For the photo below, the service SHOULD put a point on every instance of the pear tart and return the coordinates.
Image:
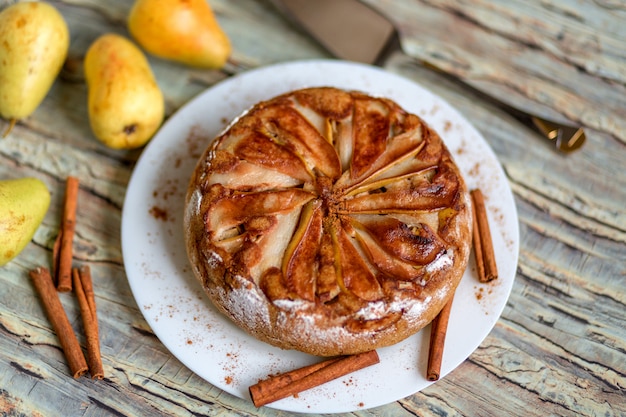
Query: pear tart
(328, 221)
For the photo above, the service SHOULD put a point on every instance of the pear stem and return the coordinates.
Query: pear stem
(12, 123)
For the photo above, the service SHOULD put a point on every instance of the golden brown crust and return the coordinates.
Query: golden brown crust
(328, 221)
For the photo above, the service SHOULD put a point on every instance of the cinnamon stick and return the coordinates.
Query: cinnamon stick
(270, 385)
(60, 323)
(55, 259)
(63, 260)
(87, 285)
(298, 380)
(86, 301)
(438, 330)
(483, 245)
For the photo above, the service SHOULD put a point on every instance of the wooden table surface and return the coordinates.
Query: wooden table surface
(559, 348)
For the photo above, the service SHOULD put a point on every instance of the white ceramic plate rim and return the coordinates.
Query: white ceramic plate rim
(174, 305)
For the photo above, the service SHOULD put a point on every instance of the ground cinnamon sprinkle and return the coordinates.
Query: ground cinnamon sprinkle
(479, 294)
(158, 213)
(194, 141)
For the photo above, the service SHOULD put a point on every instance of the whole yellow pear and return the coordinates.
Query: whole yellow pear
(23, 205)
(125, 103)
(180, 30)
(34, 40)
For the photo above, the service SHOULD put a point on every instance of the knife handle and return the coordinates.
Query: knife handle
(566, 138)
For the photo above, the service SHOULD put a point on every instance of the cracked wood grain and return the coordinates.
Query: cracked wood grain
(559, 346)
(539, 53)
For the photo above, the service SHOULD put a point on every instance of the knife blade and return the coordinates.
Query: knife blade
(334, 24)
(353, 31)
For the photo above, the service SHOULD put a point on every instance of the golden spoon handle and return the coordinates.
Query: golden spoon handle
(566, 138)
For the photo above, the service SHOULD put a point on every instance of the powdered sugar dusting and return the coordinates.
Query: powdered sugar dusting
(213, 260)
(246, 303)
(374, 310)
(416, 310)
(291, 305)
(443, 260)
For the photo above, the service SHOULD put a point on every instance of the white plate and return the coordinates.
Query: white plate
(210, 345)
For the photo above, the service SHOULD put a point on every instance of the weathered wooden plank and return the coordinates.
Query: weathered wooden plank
(559, 346)
(540, 55)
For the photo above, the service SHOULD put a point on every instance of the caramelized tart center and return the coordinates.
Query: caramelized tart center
(331, 199)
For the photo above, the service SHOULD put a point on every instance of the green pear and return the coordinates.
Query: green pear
(124, 102)
(23, 205)
(34, 40)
